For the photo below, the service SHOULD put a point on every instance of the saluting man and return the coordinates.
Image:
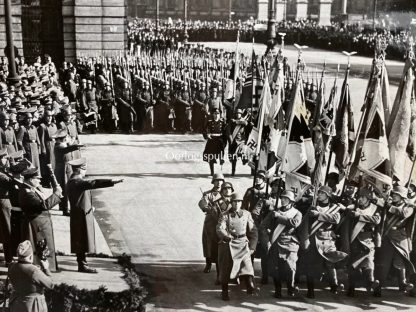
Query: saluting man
(82, 214)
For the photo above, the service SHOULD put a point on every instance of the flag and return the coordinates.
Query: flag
(401, 139)
(252, 88)
(299, 154)
(372, 156)
(342, 144)
(324, 131)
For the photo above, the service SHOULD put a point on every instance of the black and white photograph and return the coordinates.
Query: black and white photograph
(207, 155)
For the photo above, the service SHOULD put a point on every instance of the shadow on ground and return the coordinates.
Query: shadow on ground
(181, 285)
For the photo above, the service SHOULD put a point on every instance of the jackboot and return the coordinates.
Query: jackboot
(290, 281)
(264, 274)
(211, 168)
(250, 285)
(403, 284)
(311, 287)
(224, 292)
(208, 265)
(277, 288)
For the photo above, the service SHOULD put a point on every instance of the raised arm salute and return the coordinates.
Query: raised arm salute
(82, 216)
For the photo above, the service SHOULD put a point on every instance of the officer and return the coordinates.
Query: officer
(46, 133)
(238, 237)
(278, 235)
(28, 281)
(321, 253)
(361, 236)
(82, 214)
(396, 242)
(36, 206)
(7, 134)
(209, 206)
(28, 140)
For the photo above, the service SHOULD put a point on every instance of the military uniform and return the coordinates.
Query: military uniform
(198, 111)
(214, 133)
(145, 111)
(82, 214)
(108, 111)
(36, 208)
(238, 239)
(278, 235)
(6, 183)
(28, 141)
(360, 239)
(396, 242)
(46, 133)
(321, 254)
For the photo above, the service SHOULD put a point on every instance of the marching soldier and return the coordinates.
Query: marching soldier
(82, 214)
(321, 254)
(278, 235)
(396, 242)
(361, 237)
(209, 206)
(214, 134)
(238, 239)
(236, 137)
(254, 202)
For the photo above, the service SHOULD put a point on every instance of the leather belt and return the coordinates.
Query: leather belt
(9, 143)
(51, 140)
(31, 141)
(239, 236)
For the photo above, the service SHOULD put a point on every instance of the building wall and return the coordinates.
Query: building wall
(197, 9)
(17, 26)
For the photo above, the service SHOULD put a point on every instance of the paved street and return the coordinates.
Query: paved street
(154, 217)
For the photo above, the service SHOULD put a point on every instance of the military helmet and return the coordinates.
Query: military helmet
(217, 176)
(236, 197)
(288, 194)
(227, 185)
(326, 189)
(365, 192)
(400, 190)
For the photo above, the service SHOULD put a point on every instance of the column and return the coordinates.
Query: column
(16, 11)
(301, 9)
(280, 10)
(94, 27)
(325, 12)
(262, 10)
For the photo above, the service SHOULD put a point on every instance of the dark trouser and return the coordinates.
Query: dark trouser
(16, 218)
(81, 259)
(354, 275)
(285, 272)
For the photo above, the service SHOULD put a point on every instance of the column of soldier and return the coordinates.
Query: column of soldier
(39, 149)
(361, 230)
